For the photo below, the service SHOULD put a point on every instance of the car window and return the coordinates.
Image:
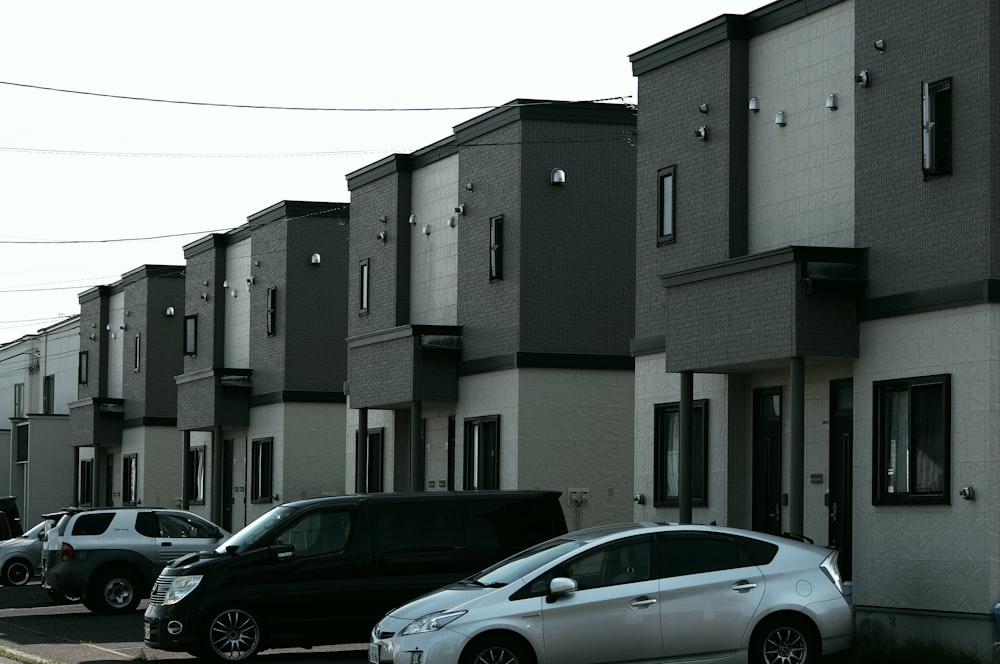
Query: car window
(416, 527)
(758, 551)
(506, 524)
(92, 524)
(696, 553)
(181, 526)
(611, 565)
(318, 533)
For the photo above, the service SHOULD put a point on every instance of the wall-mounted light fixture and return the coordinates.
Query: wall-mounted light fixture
(234, 293)
(93, 337)
(169, 312)
(468, 186)
(557, 176)
(123, 326)
(426, 230)
(880, 45)
(413, 219)
(703, 109)
(381, 236)
(863, 78)
(754, 105)
(315, 259)
(204, 296)
(831, 101)
(384, 219)
(225, 283)
(451, 221)
(701, 133)
(250, 282)
(779, 118)
(460, 209)
(108, 327)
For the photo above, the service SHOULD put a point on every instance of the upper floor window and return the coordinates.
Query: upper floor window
(363, 287)
(191, 335)
(496, 253)
(137, 364)
(272, 305)
(84, 368)
(49, 394)
(18, 400)
(666, 451)
(912, 421)
(665, 215)
(937, 122)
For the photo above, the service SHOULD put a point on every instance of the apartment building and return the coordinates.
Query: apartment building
(260, 392)
(816, 298)
(38, 377)
(490, 304)
(123, 419)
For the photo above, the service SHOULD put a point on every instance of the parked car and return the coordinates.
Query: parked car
(635, 592)
(20, 557)
(49, 537)
(110, 556)
(10, 518)
(322, 571)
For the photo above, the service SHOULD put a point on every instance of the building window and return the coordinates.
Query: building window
(19, 400)
(137, 364)
(190, 335)
(84, 368)
(496, 248)
(363, 287)
(665, 216)
(272, 305)
(130, 479)
(482, 453)
(86, 482)
(912, 420)
(666, 448)
(49, 394)
(937, 127)
(260, 470)
(196, 479)
(376, 462)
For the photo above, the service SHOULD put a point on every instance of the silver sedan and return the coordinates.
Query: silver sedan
(636, 593)
(20, 557)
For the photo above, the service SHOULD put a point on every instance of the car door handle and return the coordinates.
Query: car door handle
(642, 602)
(166, 543)
(743, 586)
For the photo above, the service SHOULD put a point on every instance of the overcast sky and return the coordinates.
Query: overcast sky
(88, 179)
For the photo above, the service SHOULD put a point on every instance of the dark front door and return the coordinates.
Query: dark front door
(767, 460)
(841, 456)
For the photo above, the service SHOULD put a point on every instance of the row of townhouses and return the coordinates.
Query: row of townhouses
(766, 297)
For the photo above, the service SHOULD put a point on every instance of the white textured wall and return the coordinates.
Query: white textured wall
(238, 270)
(434, 257)
(801, 176)
(160, 453)
(933, 557)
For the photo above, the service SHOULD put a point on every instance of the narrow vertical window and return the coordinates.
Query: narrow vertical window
(376, 452)
(191, 335)
(665, 231)
(937, 127)
(19, 400)
(363, 287)
(138, 354)
(84, 368)
(272, 304)
(666, 449)
(496, 248)
(196, 481)
(130, 479)
(86, 496)
(261, 477)
(49, 395)
(482, 453)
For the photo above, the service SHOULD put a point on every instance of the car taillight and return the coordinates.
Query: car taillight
(67, 552)
(832, 571)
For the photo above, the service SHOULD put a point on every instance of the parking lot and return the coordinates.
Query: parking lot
(32, 628)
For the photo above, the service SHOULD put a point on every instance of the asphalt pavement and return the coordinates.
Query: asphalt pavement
(34, 630)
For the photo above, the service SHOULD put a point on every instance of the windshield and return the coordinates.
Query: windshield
(256, 533)
(527, 562)
(33, 533)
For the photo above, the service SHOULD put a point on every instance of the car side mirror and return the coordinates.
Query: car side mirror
(559, 587)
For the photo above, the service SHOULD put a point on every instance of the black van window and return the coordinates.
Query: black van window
(506, 524)
(416, 527)
(318, 533)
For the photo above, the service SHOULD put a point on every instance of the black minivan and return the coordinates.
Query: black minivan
(325, 570)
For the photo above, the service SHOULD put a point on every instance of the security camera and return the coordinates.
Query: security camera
(863, 78)
(701, 133)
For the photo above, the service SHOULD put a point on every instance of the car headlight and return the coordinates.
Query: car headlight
(431, 622)
(180, 587)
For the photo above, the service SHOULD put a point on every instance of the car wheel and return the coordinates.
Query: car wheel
(16, 572)
(784, 640)
(234, 635)
(497, 650)
(113, 592)
(60, 598)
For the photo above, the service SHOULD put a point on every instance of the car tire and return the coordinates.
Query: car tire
(233, 636)
(497, 649)
(785, 639)
(16, 572)
(113, 592)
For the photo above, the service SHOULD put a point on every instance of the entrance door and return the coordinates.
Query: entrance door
(227, 485)
(766, 479)
(841, 479)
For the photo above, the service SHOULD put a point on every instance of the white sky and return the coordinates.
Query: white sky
(84, 168)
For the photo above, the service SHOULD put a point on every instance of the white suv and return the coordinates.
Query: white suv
(111, 556)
